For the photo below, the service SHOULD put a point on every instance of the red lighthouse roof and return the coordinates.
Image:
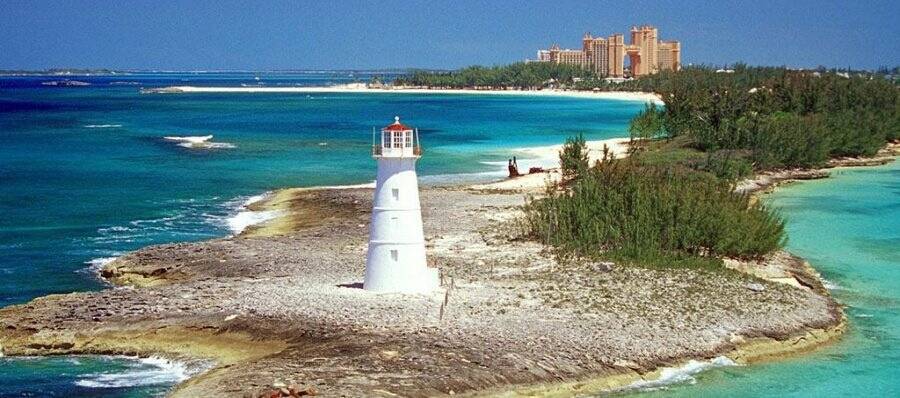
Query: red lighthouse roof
(396, 126)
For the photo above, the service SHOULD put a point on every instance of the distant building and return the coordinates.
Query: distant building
(566, 56)
(543, 55)
(669, 57)
(606, 55)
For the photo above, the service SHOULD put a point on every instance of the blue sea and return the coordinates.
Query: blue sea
(87, 174)
(848, 227)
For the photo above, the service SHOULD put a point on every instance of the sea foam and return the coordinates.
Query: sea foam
(102, 126)
(97, 264)
(831, 285)
(683, 374)
(144, 372)
(245, 218)
(198, 142)
(241, 221)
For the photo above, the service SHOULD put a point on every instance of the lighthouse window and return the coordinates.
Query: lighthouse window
(408, 140)
(386, 140)
(394, 255)
(396, 193)
(398, 140)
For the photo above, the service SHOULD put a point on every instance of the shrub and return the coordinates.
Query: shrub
(856, 133)
(573, 159)
(639, 212)
(727, 165)
(648, 123)
(789, 140)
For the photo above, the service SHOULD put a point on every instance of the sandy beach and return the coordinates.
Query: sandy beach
(362, 88)
(547, 157)
(279, 306)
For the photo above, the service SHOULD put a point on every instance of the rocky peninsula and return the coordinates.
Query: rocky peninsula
(279, 309)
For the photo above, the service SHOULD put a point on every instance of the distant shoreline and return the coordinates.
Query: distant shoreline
(361, 88)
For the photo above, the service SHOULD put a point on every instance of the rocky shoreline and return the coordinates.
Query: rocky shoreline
(279, 307)
(766, 182)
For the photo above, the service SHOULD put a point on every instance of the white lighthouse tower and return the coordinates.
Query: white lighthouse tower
(396, 258)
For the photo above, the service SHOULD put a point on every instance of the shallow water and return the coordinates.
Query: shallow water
(848, 227)
(88, 174)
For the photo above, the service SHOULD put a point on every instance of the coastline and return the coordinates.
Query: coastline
(742, 349)
(746, 351)
(609, 95)
(763, 183)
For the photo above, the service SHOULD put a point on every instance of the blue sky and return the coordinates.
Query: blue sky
(200, 34)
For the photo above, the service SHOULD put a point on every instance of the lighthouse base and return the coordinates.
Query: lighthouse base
(392, 268)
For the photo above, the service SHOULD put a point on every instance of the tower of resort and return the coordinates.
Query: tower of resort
(396, 258)
(646, 54)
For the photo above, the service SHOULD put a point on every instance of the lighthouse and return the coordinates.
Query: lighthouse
(396, 261)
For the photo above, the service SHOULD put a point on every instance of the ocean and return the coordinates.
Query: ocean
(87, 173)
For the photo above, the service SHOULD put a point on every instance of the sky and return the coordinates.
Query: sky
(270, 35)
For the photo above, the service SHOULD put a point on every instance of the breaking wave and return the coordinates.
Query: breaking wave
(94, 266)
(246, 218)
(150, 371)
(198, 142)
(102, 126)
(683, 374)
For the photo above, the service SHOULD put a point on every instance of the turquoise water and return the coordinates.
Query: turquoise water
(70, 194)
(848, 227)
(86, 173)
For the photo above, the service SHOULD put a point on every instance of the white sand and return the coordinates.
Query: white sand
(548, 157)
(361, 88)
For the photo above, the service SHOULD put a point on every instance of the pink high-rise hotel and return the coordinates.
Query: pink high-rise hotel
(606, 56)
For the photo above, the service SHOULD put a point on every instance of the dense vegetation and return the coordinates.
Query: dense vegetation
(762, 116)
(774, 116)
(522, 75)
(671, 203)
(652, 215)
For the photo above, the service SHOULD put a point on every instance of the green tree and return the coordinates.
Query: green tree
(649, 123)
(573, 159)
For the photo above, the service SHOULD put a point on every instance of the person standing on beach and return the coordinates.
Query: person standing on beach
(513, 167)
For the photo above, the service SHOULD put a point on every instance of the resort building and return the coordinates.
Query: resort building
(606, 55)
(669, 57)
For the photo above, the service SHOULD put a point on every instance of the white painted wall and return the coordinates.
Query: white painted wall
(396, 258)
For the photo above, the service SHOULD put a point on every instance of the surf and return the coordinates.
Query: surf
(151, 371)
(199, 142)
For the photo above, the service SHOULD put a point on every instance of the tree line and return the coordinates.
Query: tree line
(779, 117)
(521, 75)
(671, 203)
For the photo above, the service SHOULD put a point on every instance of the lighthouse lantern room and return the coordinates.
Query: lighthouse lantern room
(395, 261)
